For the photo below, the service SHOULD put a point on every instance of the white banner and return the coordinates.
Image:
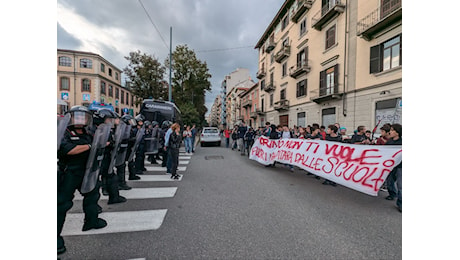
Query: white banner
(360, 167)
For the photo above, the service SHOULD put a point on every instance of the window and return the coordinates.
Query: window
(283, 94)
(388, 111)
(110, 91)
(262, 105)
(272, 58)
(301, 89)
(302, 57)
(330, 37)
(328, 116)
(303, 27)
(285, 22)
(328, 81)
(86, 63)
(286, 42)
(284, 70)
(65, 61)
(110, 72)
(86, 85)
(127, 98)
(301, 119)
(103, 67)
(271, 100)
(117, 93)
(116, 75)
(65, 83)
(386, 56)
(271, 79)
(122, 97)
(103, 88)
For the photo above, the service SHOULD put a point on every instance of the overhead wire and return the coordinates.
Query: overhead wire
(151, 21)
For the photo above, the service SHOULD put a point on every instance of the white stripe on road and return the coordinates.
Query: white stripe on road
(124, 221)
(163, 169)
(141, 193)
(159, 162)
(146, 177)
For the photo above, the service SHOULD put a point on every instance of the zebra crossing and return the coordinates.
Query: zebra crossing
(131, 221)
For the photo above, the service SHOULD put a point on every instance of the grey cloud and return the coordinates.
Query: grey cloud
(66, 40)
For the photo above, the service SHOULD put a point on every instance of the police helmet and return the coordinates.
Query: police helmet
(129, 120)
(147, 123)
(80, 115)
(155, 123)
(104, 115)
(166, 124)
(140, 118)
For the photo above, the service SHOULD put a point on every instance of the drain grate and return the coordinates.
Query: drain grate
(214, 157)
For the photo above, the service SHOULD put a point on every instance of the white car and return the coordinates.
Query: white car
(210, 135)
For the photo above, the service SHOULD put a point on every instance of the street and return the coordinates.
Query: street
(229, 207)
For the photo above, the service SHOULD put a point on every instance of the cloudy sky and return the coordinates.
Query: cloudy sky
(113, 28)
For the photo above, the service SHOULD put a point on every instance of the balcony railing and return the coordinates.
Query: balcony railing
(301, 68)
(329, 10)
(302, 6)
(270, 86)
(325, 94)
(261, 73)
(246, 103)
(253, 114)
(270, 46)
(260, 111)
(283, 104)
(283, 53)
(379, 19)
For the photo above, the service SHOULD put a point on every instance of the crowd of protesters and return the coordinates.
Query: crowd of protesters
(242, 137)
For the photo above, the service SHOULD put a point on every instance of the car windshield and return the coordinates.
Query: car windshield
(210, 131)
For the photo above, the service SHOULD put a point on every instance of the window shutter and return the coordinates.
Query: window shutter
(322, 83)
(305, 87)
(336, 78)
(375, 62)
(306, 56)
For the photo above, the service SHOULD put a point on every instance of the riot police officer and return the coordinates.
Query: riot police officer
(133, 150)
(73, 154)
(140, 156)
(109, 181)
(126, 146)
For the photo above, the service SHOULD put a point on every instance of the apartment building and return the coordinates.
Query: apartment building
(250, 106)
(216, 110)
(85, 77)
(328, 61)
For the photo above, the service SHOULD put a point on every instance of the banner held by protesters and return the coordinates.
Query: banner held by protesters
(360, 167)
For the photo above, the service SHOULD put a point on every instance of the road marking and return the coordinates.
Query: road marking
(163, 169)
(123, 221)
(146, 177)
(140, 193)
(159, 162)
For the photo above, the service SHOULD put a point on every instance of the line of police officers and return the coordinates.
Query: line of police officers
(90, 147)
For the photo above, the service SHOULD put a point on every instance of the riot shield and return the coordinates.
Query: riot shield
(119, 134)
(62, 123)
(139, 135)
(121, 155)
(152, 143)
(96, 155)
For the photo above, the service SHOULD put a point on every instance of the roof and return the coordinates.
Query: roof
(281, 12)
(91, 54)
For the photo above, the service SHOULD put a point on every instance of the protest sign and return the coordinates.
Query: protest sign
(360, 167)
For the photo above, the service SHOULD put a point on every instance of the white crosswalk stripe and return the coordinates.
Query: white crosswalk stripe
(131, 221)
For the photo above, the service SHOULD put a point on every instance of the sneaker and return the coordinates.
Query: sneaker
(168, 173)
(100, 223)
(389, 197)
(133, 178)
(124, 186)
(120, 199)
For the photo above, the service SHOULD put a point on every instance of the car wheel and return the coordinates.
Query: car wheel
(218, 144)
(202, 144)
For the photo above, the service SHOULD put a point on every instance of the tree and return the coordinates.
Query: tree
(189, 82)
(190, 115)
(146, 76)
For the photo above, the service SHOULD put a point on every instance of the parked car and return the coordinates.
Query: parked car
(210, 135)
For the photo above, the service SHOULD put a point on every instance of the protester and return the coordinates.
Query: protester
(359, 137)
(333, 137)
(249, 138)
(284, 135)
(187, 136)
(234, 137)
(227, 133)
(384, 134)
(395, 176)
(267, 130)
(322, 131)
(343, 134)
(174, 145)
(193, 130)
(241, 131)
(315, 135)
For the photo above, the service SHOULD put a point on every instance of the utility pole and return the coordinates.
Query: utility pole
(170, 62)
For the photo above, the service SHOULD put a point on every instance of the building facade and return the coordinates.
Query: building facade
(332, 61)
(250, 106)
(84, 78)
(216, 110)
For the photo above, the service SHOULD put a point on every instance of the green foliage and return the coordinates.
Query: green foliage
(190, 115)
(146, 76)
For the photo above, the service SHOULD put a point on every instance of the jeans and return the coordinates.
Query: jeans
(394, 182)
(188, 145)
(193, 144)
(227, 142)
(174, 158)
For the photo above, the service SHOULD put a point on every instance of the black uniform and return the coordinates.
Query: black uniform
(131, 164)
(70, 178)
(140, 156)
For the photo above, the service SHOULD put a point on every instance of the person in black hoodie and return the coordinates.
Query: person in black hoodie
(174, 145)
(395, 176)
(273, 135)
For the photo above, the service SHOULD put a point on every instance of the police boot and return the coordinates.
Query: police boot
(60, 245)
(121, 173)
(95, 224)
(104, 186)
(114, 194)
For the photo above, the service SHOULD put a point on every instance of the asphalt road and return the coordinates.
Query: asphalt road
(229, 207)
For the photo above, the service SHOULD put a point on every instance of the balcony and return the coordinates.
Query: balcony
(302, 7)
(281, 105)
(246, 103)
(383, 17)
(283, 53)
(253, 115)
(260, 112)
(270, 86)
(261, 73)
(325, 94)
(270, 46)
(299, 70)
(331, 9)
